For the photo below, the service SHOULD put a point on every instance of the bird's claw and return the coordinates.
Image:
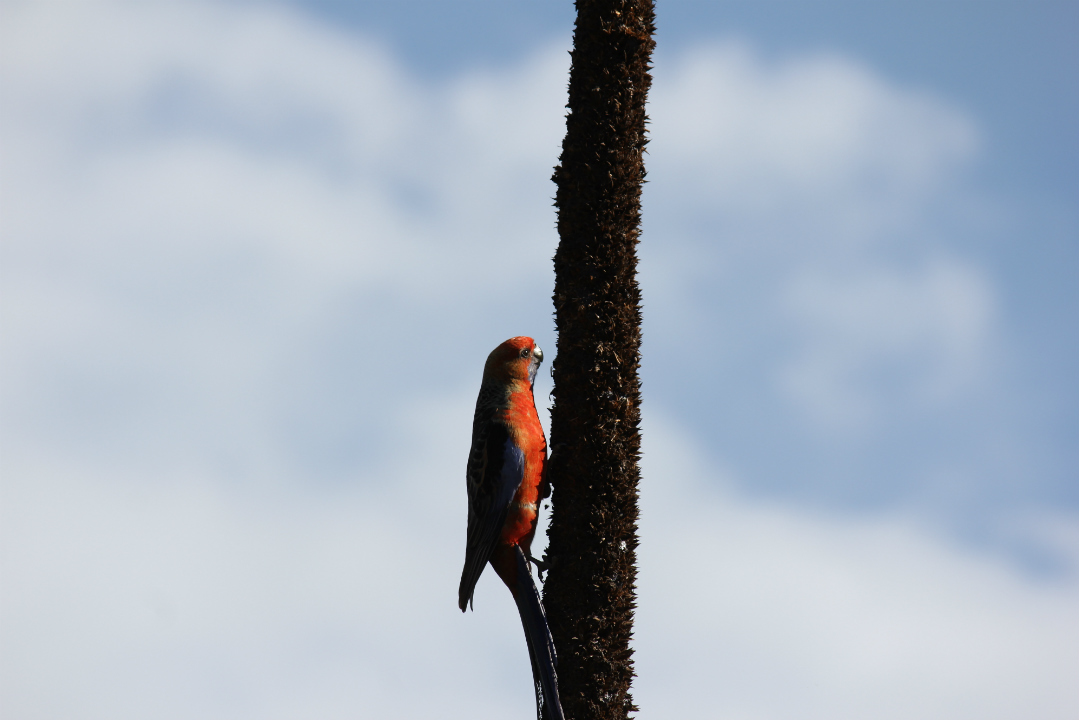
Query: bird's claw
(542, 566)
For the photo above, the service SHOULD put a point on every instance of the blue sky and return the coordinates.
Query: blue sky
(254, 256)
(1008, 67)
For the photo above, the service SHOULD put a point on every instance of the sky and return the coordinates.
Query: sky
(255, 253)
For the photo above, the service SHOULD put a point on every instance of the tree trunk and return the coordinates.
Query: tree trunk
(589, 593)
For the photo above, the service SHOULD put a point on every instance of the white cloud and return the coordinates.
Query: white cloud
(754, 610)
(189, 595)
(195, 595)
(799, 204)
(202, 187)
(230, 230)
(754, 136)
(926, 331)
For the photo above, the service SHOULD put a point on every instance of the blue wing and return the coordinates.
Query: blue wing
(494, 475)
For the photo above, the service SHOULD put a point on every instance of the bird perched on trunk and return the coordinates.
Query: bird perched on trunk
(506, 481)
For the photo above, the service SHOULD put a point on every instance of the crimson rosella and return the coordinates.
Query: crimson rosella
(506, 480)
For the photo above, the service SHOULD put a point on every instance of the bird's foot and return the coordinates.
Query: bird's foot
(542, 566)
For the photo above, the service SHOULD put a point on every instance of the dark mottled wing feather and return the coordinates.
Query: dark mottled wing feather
(496, 467)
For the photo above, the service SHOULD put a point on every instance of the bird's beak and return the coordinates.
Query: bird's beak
(538, 354)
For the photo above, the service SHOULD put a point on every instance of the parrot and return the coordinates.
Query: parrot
(505, 481)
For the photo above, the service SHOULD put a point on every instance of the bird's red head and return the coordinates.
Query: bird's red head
(516, 359)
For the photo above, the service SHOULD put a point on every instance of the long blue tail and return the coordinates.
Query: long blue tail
(541, 646)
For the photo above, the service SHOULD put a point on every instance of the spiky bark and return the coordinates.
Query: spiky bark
(589, 593)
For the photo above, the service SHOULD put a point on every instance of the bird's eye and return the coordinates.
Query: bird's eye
(525, 352)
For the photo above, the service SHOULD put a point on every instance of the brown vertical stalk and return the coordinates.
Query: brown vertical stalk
(589, 593)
